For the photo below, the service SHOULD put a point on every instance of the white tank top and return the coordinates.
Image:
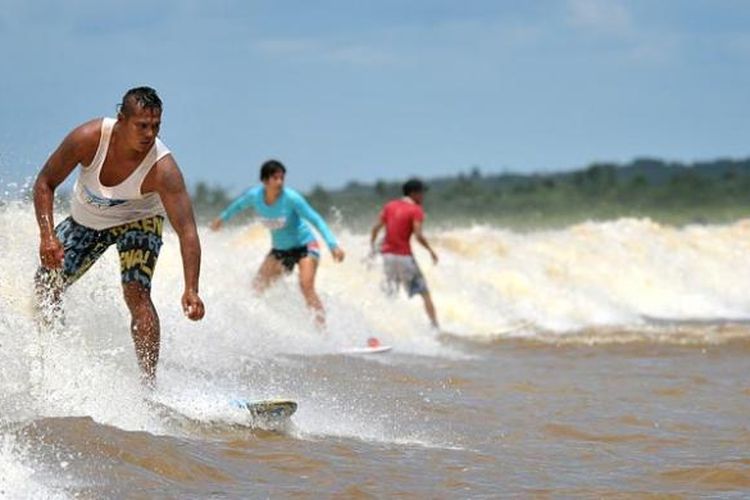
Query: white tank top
(101, 207)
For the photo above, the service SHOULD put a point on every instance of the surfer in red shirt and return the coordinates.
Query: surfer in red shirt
(402, 218)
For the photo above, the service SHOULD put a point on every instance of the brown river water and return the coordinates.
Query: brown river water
(628, 374)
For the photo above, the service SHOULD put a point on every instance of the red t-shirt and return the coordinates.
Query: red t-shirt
(398, 217)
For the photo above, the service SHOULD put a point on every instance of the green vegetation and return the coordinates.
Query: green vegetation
(673, 193)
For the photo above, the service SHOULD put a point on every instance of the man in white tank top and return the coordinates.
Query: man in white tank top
(127, 182)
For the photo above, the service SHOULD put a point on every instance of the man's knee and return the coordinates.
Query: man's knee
(136, 295)
(307, 287)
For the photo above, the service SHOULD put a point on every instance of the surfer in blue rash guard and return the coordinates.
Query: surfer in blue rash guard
(284, 212)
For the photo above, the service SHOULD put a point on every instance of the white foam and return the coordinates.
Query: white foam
(593, 275)
(18, 477)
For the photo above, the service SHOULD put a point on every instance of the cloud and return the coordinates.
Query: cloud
(600, 17)
(412, 45)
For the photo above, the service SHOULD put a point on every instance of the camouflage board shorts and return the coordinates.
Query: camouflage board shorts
(138, 244)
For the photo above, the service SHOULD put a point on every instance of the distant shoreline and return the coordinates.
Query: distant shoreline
(706, 192)
(667, 192)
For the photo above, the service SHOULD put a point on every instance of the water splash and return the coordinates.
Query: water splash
(600, 280)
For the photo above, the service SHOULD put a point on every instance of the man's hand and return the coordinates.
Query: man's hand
(417, 227)
(216, 224)
(192, 305)
(434, 257)
(338, 254)
(51, 252)
(168, 182)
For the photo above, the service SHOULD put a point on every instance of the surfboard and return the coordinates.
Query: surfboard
(261, 413)
(367, 350)
(273, 409)
(374, 346)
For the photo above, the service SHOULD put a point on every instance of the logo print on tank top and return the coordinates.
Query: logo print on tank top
(98, 201)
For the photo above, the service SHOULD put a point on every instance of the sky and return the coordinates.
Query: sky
(343, 90)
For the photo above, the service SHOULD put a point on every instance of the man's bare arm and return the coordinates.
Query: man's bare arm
(74, 149)
(417, 226)
(170, 185)
(374, 234)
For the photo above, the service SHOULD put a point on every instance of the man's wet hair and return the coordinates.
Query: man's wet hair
(270, 168)
(143, 97)
(413, 185)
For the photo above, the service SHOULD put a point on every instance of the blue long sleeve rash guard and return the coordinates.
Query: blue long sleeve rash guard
(284, 218)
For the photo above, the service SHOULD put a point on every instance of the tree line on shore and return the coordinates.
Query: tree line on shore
(671, 192)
